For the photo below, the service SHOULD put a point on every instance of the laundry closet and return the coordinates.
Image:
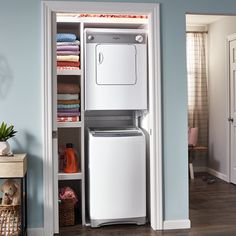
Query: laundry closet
(101, 116)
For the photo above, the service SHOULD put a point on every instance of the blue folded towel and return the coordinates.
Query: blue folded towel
(62, 37)
(68, 106)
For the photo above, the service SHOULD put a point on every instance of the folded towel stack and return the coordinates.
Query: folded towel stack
(68, 51)
(68, 103)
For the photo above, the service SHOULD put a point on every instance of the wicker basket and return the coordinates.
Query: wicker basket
(66, 212)
(10, 220)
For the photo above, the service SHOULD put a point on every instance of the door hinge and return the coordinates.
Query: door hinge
(150, 131)
(230, 119)
(54, 134)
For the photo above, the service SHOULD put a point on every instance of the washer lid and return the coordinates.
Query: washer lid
(116, 132)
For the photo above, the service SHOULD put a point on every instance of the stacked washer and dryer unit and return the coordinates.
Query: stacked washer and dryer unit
(116, 80)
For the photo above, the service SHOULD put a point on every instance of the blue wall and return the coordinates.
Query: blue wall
(21, 90)
(21, 93)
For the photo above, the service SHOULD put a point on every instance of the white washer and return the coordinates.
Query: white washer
(117, 176)
(115, 69)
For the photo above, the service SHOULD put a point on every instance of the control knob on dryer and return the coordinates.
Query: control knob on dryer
(139, 38)
(90, 37)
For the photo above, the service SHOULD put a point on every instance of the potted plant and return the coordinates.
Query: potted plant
(6, 132)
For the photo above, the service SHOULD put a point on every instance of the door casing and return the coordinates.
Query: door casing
(229, 158)
(156, 183)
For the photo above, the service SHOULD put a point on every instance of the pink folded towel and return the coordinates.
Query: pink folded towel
(68, 48)
(68, 52)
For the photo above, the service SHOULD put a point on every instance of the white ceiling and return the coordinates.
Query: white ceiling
(202, 19)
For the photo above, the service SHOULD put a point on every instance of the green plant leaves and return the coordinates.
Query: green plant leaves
(6, 132)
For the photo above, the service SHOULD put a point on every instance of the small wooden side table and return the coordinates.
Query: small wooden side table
(15, 167)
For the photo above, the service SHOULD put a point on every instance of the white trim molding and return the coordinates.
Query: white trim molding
(177, 224)
(150, 9)
(229, 38)
(47, 121)
(218, 174)
(156, 201)
(35, 232)
(212, 172)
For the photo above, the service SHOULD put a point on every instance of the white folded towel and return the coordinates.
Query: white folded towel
(74, 58)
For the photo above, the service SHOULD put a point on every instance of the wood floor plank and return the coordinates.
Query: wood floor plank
(212, 213)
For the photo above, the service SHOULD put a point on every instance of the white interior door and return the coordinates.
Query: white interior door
(232, 118)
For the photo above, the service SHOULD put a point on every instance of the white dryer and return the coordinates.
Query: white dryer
(115, 69)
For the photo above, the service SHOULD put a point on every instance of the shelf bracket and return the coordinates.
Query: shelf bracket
(54, 134)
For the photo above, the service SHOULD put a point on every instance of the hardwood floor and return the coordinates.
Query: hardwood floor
(213, 207)
(212, 212)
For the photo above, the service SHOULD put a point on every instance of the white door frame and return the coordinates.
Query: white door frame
(228, 140)
(156, 190)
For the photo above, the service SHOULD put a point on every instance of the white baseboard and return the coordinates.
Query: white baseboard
(35, 232)
(218, 174)
(211, 171)
(177, 224)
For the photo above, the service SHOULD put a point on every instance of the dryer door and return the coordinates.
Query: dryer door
(116, 64)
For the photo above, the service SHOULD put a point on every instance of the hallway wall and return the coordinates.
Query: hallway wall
(218, 93)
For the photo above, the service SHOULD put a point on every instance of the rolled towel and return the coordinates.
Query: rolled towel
(68, 193)
(73, 58)
(66, 88)
(65, 37)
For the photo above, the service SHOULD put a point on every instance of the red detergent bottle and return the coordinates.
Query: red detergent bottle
(71, 159)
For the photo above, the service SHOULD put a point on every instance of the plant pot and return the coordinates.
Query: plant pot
(4, 148)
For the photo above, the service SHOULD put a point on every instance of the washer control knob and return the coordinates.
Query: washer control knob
(90, 37)
(139, 38)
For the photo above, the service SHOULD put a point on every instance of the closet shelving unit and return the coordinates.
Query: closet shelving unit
(73, 132)
(73, 176)
(71, 23)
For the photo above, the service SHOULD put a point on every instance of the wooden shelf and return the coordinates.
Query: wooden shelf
(69, 124)
(68, 72)
(68, 176)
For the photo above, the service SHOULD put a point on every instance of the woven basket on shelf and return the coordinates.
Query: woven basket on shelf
(10, 220)
(66, 212)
